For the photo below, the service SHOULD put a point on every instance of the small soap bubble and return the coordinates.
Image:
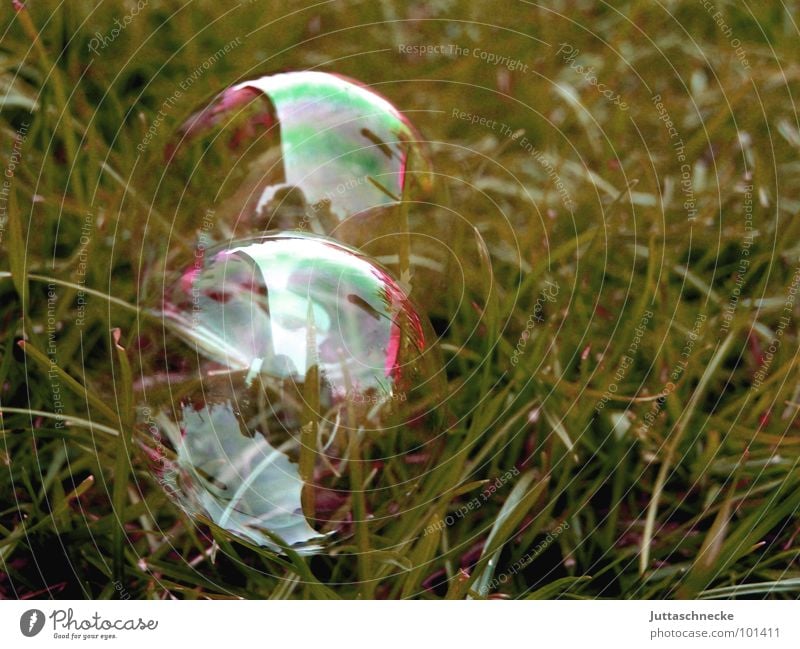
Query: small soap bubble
(309, 151)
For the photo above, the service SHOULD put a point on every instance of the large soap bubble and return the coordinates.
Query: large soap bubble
(286, 384)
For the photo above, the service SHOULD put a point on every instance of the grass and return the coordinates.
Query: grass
(627, 343)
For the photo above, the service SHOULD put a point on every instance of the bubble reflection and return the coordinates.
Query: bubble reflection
(289, 375)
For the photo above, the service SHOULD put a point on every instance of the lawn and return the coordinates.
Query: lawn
(606, 246)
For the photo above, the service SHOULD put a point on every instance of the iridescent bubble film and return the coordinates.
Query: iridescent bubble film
(287, 382)
(309, 151)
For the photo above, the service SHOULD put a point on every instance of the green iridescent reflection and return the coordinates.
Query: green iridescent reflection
(299, 150)
(285, 363)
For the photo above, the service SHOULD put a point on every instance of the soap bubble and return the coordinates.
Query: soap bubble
(286, 383)
(309, 151)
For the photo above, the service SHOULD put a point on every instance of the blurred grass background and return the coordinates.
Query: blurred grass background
(648, 406)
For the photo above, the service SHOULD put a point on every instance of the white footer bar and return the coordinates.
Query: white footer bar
(406, 624)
